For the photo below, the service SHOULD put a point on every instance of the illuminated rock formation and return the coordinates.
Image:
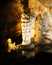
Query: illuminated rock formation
(36, 23)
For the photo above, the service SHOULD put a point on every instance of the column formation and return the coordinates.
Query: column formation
(26, 24)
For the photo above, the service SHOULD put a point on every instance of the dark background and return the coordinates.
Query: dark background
(14, 58)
